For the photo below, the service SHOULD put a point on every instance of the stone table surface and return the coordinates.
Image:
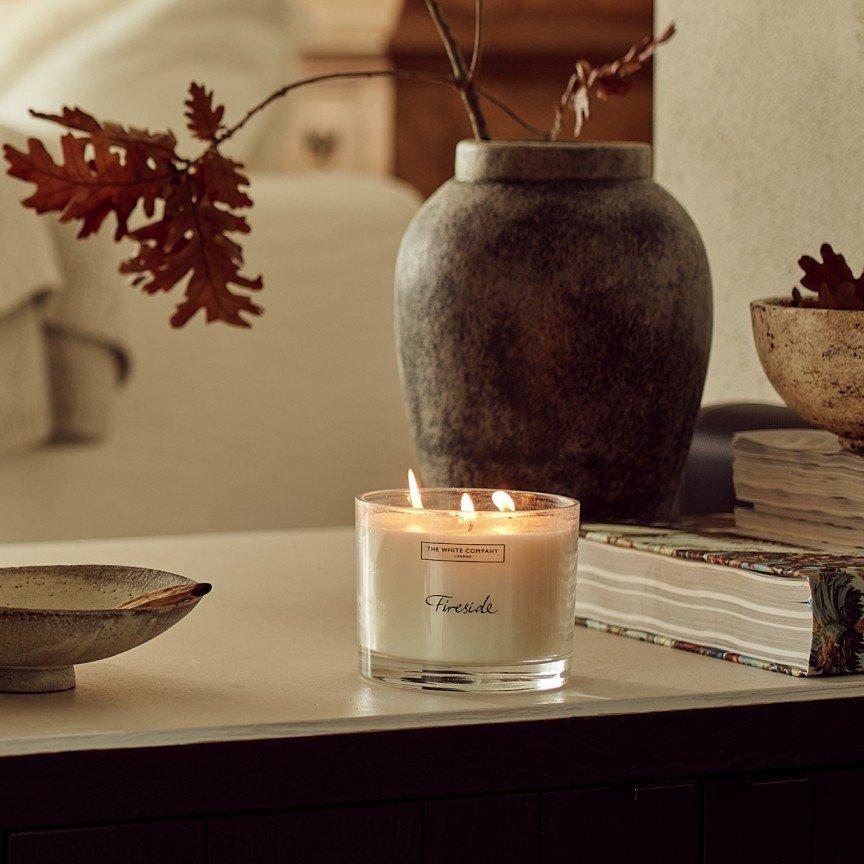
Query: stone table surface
(272, 653)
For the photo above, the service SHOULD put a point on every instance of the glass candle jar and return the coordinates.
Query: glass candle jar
(461, 595)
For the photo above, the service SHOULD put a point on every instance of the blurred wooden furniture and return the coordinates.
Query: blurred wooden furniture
(343, 125)
(530, 47)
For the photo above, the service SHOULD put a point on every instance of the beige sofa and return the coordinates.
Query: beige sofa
(219, 428)
(216, 428)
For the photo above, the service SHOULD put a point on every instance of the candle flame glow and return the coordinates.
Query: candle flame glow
(466, 505)
(503, 501)
(414, 491)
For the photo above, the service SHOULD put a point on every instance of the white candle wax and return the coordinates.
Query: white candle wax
(485, 588)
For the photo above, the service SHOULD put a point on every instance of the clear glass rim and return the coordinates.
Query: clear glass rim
(559, 504)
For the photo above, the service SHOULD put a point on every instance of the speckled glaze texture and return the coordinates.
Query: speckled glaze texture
(815, 360)
(52, 618)
(553, 321)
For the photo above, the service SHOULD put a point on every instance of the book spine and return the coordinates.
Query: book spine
(706, 651)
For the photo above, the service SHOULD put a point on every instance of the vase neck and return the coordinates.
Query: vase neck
(541, 161)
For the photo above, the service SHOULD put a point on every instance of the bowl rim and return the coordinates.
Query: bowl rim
(783, 303)
(29, 611)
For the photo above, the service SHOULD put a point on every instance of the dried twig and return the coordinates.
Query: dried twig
(461, 76)
(607, 80)
(483, 93)
(477, 50)
(405, 74)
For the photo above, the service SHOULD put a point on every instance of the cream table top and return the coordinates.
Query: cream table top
(272, 653)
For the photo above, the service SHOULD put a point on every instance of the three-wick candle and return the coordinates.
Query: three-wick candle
(469, 589)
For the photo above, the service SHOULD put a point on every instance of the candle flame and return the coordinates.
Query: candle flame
(503, 501)
(414, 491)
(466, 505)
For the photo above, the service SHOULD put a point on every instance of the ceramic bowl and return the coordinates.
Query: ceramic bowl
(815, 360)
(52, 618)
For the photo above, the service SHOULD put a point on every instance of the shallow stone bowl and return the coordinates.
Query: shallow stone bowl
(52, 618)
(815, 360)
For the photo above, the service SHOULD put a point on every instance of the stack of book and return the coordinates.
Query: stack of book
(799, 486)
(704, 589)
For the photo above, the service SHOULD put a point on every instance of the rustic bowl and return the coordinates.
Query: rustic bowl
(52, 618)
(815, 360)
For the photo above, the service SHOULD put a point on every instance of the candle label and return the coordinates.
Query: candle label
(484, 553)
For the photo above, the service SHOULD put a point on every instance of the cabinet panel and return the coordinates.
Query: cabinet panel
(344, 836)
(586, 825)
(837, 797)
(783, 809)
(646, 824)
(764, 821)
(666, 824)
(505, 828)
(165, 842)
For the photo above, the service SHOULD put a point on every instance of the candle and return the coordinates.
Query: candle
(466, 588)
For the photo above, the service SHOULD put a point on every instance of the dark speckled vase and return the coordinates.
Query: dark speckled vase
(553, 320)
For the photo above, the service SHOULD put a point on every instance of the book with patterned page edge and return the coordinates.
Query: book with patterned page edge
(836, 587)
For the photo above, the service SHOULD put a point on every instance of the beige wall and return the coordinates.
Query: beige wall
(759, 130)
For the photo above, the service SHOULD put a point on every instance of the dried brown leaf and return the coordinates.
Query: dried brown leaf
(90, 182)
(832, 280)
(605, 81)
(203, 119)
(191, 242)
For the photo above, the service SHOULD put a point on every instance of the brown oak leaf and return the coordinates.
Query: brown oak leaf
(223, 179)
(136, 144)
(832, 280)
(203, 120)
(71, 118)
(107, 169)
(190, 240)
(611, 78)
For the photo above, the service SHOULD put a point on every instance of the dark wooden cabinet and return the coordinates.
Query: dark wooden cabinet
(586, 825)
(837, 822)
(179, 842)
(666, 823)
(497, 828)
(713, 786)
(794, 819)
(342, 836)
(640, 823)
(761, 821)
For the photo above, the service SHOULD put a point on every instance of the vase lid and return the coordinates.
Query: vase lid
(539, 161)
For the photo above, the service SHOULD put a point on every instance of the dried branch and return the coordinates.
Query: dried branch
(461, 76)
(402, 74)
(405, 74)
(604, 81)
(483, 93)
(477, 50)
